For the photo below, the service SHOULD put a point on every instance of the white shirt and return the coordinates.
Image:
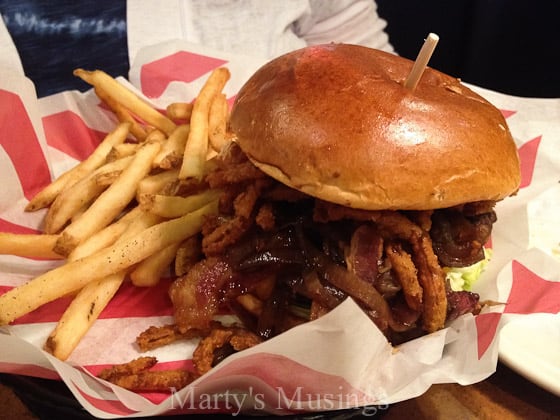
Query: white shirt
(262, 28)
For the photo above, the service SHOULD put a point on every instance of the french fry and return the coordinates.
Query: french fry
(179, 111)
(77, 215)
(156, 136)
(67, 206)
(90, 219)
(196, 148)
(106, 236)
(29, 245)
(48, 194)
(97, 158)
(217, 122)
(110, 87)
(171, 153)
(170, 206)
(149, 271)
(69, 202)
(188, 253)
(80, 315)
(76, 274)
(110, 203)
(90, 301)
(154, 184)
(123, 115)
(107, 178)
(138, 224)
(122, 150)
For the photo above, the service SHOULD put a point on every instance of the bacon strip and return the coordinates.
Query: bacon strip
(196, 296)
(430, 274)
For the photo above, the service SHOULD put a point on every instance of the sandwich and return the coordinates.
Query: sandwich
(340, 183)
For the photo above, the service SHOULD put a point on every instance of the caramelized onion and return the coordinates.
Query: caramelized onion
(457, 239)
(271, 258)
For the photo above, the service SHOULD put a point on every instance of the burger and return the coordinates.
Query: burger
(342, 183)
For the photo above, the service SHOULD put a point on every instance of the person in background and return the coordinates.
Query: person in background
(55, 37)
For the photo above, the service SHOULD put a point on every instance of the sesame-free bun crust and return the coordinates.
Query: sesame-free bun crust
(335, 122)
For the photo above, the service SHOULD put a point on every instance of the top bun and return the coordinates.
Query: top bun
(335, 122)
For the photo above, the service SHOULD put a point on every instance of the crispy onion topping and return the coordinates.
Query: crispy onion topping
(277, 258)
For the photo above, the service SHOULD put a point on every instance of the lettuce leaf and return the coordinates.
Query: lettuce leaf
(463, 278)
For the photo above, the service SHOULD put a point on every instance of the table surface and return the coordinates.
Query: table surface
(505, 395)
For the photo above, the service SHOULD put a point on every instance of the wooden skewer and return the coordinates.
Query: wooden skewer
(421, 61)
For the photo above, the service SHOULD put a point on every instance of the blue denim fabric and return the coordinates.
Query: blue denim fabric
(54, 37)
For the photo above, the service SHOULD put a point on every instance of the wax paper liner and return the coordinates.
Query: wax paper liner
(338, 361)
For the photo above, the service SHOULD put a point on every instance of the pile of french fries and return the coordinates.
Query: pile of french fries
(119, 215)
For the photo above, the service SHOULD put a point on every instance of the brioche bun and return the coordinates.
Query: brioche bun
(335, 122)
